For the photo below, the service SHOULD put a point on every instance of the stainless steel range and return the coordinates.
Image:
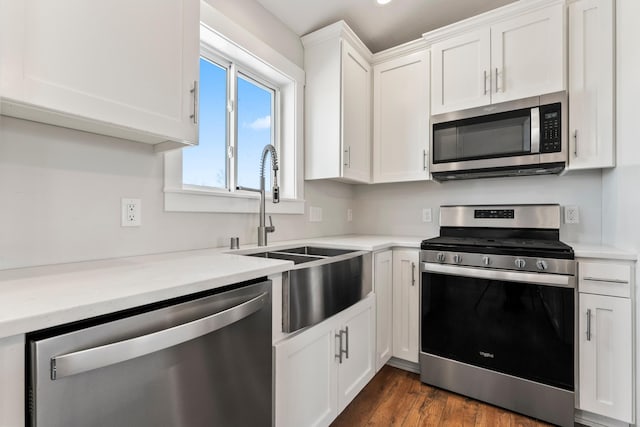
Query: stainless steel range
(498, 311)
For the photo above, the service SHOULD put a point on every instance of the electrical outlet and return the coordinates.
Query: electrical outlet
(426, 215)
(315, 214)
(571, 215)
(349, 215)
(131, 213)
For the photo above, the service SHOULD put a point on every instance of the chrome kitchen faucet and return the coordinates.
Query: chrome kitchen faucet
(262, 228)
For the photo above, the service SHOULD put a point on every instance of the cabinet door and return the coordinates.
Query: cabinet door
(606, 365)
(306, 381)
(383, 285)
(406, 285)
(527, 55)
(591, 65)
(94, 64)
(460, 72)
(356, 115)
(358, 341)
(12, 366)
(401, 119)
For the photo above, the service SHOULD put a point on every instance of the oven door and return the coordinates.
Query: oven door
(516, 323)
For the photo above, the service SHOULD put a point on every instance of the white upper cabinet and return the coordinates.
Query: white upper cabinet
(337, 105)
(591, 88)
(514, 52)
(401, 118)
(461, 71)
(119, 68)
(527, 55)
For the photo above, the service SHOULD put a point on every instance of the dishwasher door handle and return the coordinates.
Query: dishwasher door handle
(109, 354)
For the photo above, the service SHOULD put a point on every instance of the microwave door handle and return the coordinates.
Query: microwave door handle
(110, 354)
(535, 130)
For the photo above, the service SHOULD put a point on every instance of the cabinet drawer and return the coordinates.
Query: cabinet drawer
(604, 278)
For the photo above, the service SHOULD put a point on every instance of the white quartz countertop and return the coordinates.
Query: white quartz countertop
(40, 297)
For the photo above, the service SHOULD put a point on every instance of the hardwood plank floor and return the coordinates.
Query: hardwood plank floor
(397, 398)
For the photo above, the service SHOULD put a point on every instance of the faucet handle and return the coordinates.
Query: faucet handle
(270, 228)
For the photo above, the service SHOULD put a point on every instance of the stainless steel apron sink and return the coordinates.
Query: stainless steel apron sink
(322, 282)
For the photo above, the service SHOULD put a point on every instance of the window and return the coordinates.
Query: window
(231, 138)
(246, 101)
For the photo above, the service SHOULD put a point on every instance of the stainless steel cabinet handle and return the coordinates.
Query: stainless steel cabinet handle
(109, 354)
(589, 324)
(497, 86)
(595, 279)
(346, 332)
(424, 160)
(484, 79)
(339, 355)
(575, 142)
(413, 274)
(194, 91)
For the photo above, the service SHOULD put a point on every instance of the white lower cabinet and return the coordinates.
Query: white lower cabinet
(319, 371)
(606, 340)
(383, 287)
(406, 304)
(12, 381)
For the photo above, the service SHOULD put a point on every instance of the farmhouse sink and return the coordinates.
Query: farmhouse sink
(322, 282)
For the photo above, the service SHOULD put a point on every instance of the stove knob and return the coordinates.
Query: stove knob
(486, 260)
(457, 259)
(520, 263)
(440, 257)
(541, 264)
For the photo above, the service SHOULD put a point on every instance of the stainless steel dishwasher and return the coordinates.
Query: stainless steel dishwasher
(187, 362)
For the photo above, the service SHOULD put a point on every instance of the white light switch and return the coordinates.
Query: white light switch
(426, 215)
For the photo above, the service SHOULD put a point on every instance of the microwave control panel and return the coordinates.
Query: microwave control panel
(550, 128)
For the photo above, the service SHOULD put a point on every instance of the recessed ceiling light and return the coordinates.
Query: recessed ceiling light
(382, 2)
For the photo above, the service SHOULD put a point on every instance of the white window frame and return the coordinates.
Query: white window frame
(269, 66)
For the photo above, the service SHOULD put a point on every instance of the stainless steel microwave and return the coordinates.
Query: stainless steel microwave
(523, 137)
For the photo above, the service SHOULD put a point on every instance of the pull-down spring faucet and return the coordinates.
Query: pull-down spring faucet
(263, 229)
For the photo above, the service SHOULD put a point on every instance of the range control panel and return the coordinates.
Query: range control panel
(494, 213)
(550, 128)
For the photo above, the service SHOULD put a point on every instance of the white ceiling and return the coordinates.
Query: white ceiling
(379, 27)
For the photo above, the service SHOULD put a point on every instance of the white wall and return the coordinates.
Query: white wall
(397, 208)
(61, 193)
(621, 186)
(254, 18)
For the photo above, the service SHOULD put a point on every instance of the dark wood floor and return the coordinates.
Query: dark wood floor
(397, 398)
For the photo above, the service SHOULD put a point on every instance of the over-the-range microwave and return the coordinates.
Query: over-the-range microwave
(523, 137)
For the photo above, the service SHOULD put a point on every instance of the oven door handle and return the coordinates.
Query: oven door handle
(110, 354)
(508, 276)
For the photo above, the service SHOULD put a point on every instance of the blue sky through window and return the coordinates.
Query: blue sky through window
(205, 164)
(254, 132)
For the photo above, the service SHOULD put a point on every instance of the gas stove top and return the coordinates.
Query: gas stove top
(515, 237)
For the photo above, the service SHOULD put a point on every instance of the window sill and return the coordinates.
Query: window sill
(182, 200)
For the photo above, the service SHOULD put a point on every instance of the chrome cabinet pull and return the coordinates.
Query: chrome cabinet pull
(484, 75)
(110, 354)
(424, 160)
(194, 91)
(595, 279)
(413, 274)
(575, 142)
(346, 332)
(588, 324)
(497, 86)
(339, 355)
